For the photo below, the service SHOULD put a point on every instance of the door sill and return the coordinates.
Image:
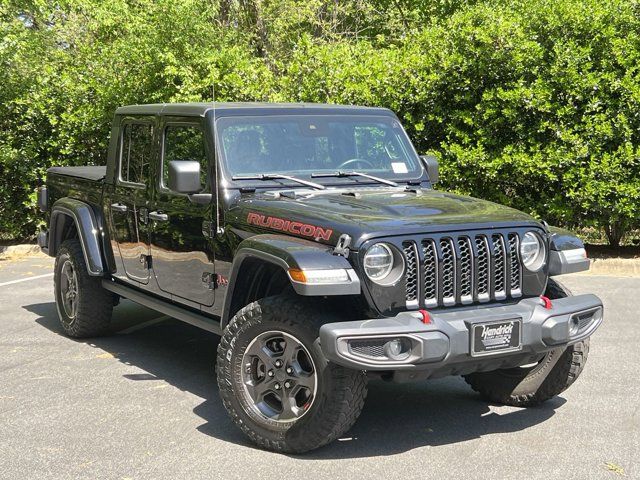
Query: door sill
(210, 324)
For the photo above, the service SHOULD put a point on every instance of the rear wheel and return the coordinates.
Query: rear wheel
(84, 307)
(275, 382)
(533, 384)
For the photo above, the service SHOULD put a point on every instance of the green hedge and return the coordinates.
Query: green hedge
(533, 104)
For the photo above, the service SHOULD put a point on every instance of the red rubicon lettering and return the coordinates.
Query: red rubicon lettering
(297, 228)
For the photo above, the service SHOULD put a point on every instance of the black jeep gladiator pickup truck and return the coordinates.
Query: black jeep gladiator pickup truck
(310, 238)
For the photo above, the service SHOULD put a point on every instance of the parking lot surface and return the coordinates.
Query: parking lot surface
(142, 403)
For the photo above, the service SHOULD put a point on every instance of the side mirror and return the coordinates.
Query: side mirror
(184, 176)
(431, 164)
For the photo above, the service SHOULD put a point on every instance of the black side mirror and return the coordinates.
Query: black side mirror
(184, 176)
(431, 164)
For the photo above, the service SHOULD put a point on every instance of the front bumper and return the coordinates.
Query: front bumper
(443, 346)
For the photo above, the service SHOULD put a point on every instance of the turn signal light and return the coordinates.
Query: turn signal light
(297, 275)
(314, 277)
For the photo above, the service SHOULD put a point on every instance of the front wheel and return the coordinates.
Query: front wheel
(275, 382)
(531, 385)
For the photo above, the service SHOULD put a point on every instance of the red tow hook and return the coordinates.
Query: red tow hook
(426, 318)
(546, 302)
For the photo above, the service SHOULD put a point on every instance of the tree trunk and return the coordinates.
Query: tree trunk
(614, 232)
(252, 10)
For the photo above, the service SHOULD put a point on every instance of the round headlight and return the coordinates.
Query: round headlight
(532, 251)
(378, 261)
(382, 265)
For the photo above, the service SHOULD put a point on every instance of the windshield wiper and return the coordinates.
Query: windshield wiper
(277, 176)
(340, 174)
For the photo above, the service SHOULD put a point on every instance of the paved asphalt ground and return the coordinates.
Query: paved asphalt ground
(143, 404)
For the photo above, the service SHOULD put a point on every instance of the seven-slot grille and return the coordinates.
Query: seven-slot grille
(461, 269)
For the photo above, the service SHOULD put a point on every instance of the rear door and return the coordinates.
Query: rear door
(180, 245)
(127, 202)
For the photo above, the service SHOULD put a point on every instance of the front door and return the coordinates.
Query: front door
(128, 199)
(181, 251)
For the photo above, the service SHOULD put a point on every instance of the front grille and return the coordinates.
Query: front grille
(453, 269)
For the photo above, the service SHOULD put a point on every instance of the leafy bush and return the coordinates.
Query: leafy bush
(532, 104)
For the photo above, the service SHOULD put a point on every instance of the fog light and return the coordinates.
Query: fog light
(397, 349)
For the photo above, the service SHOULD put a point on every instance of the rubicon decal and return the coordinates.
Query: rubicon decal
(297, 228)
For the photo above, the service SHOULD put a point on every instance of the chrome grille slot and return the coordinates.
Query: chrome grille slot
(499, 267)
(482, 265)
(514, 272)
(411, 259)
(466, 270)
(451, 269)
(448, 279)
(430, 269)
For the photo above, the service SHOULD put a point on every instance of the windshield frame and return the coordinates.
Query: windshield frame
(352, 181)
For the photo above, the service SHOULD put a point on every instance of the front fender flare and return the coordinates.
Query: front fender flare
(292, 253)
(88, 231)
(566, 253)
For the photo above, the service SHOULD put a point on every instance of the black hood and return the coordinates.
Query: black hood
(369, 213)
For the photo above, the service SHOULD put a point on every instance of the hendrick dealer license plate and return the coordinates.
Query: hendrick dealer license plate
(496, 337)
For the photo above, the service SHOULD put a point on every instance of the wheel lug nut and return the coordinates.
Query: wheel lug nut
(289, 370)
(287, 384)
(277, 386)
(278, 363)
(270, 373)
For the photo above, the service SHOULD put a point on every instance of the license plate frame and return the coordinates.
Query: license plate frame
(495, 337)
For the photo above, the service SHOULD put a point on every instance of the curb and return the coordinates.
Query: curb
(14, 252)
(617, 267)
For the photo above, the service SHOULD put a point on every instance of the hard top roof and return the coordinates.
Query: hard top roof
(246, 108)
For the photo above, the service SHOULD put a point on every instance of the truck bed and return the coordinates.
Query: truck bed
(88, 173)
(82, 183)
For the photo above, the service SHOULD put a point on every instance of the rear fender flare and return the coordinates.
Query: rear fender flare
(87, 227)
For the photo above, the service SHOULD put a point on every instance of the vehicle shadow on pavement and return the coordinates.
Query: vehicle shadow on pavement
(401, 417)
(396, 418)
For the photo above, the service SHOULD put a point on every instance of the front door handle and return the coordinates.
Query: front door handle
(118, 207)
(158, 217)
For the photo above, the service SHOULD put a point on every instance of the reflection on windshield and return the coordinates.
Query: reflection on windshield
(304, 144)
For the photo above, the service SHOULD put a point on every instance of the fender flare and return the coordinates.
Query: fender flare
(566, 253)
(292, 253)
(88, 229)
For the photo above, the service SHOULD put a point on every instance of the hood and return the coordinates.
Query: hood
(368, 213)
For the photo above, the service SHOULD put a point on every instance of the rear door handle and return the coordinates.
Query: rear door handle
(158, 217)
(118, 207)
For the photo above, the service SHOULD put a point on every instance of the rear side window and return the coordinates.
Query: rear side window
(184, 142)
(135, 154)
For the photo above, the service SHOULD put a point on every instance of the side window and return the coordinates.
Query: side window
(183, 142)
(135, 153)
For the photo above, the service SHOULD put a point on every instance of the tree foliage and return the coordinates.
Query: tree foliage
(531, 103)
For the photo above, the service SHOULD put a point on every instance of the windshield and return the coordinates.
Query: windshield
(300, 145)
